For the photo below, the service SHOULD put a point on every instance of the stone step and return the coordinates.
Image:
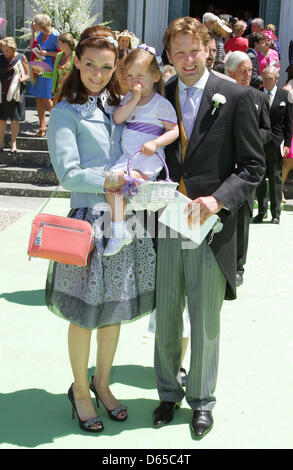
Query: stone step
(31, 190)
(26, 158)
(26, 141)
(14, 174)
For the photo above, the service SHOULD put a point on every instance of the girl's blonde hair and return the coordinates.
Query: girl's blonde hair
(42, 20)
(149, 59)
(8, 42)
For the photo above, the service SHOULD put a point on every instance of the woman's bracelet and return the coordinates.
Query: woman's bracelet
(113, 178)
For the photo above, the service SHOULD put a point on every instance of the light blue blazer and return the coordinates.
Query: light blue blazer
(83, 145)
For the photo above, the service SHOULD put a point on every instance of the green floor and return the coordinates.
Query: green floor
(254, 392)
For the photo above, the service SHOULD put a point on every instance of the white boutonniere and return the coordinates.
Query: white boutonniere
(217, 100)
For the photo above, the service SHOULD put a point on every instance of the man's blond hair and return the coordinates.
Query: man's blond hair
(186, 25)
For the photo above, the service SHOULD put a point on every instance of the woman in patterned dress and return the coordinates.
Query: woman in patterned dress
(221, 31)
(83, 141)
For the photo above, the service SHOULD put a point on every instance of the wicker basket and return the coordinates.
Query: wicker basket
(151, 195)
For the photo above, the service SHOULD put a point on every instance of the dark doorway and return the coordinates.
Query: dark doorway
(199, 7)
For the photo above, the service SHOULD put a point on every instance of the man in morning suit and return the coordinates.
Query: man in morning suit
(218, 161)
(239, 67)
(281, 115)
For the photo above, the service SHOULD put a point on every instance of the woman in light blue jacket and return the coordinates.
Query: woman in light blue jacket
(84, 143)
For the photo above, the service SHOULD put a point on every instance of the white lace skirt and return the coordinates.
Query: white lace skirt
(110, 290)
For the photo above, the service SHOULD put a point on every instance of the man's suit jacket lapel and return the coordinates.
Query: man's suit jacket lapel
(171, 96)
(276, 102)
(204, 118)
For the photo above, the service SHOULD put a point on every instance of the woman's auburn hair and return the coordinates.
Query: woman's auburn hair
(186, 25)
(73, 89)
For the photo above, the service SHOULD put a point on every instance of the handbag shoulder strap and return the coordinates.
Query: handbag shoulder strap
(56, 189)
(53, 194)
(49, 199)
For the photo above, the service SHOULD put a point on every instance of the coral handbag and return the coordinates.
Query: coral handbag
(62, 239)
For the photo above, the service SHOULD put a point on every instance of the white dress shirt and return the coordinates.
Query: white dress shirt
(200, 85)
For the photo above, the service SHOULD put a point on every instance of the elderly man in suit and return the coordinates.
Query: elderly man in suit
(281, 115)
(218, 161)
(239, 67)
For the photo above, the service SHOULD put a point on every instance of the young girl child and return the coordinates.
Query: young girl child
(150, 124)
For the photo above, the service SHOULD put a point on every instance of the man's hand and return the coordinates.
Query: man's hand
(149, 148)
(208, 205)
(286, 150)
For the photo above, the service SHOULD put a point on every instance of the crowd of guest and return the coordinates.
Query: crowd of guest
(52, 57)
(252, 58)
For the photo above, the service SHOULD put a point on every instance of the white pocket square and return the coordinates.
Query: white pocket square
(256, 106)
(282, 103)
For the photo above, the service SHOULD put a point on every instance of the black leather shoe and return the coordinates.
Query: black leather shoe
(258, 219)
(202, 423)
(275, 220)
(165, 412)
(239, 279)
